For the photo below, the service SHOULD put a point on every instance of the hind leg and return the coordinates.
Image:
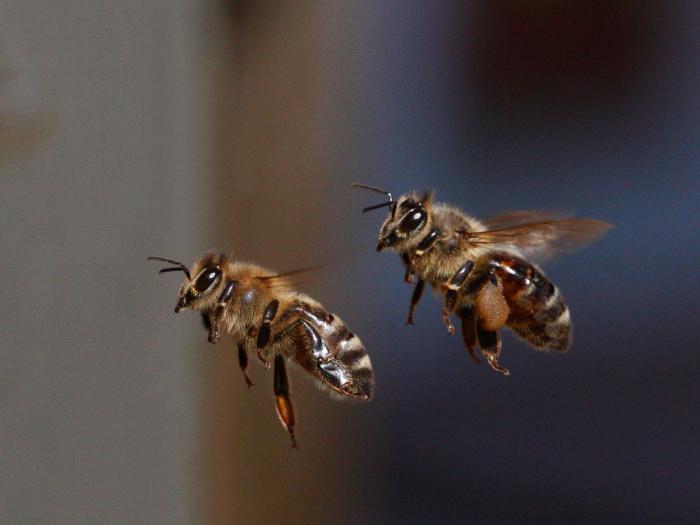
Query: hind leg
(285, 409)
(466, 314)
(415, 298)
(490, 344)
(482, 319)
(491, 311)
(491, 307)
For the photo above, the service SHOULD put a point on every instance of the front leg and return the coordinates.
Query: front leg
(243, 364)
(264, 332)
(214, 321)
(423, 246)
(408, 261)
(415, 297)
(452, 289)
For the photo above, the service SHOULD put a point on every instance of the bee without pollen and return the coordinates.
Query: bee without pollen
(259, 309)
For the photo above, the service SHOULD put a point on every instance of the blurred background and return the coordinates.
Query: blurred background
(167, 128)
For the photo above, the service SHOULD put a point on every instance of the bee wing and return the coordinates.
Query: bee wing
(519, 217)
(539, 234)
(285, 280)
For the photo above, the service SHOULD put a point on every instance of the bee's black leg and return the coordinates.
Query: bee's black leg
(490, 344)
(206, 321)
(466, 313)
(417, 294)
(243, 363)
(448, 305)
(264, 332)
(213, 323)
(285, 409)
(408, 261)
(424, 245)
(452, 289)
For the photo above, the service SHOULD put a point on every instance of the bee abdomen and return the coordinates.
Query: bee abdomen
(349, 350)
(538, 311)
(331, 351)
(353, 356)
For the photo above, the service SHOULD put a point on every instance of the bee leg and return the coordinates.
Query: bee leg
(285, 409)
(408, 276)
(411, 265)
(214, 331)
(417, 294)
(466, 313)
(450, 297)
(224, 299)
(409, 261)
(206, 321)
(448, 305)
(264, 332)
(423, 246)
(243, 363)
(490, 344)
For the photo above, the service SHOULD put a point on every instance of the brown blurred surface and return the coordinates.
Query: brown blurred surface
(268, 201)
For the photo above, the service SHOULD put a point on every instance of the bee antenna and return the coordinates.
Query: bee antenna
(179, 268)
(391, 203)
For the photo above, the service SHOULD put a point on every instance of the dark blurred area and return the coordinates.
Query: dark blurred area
(549, 54)
(239, 126)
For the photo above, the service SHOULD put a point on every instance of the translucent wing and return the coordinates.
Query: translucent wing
(539, 234)
(285, 280)
(519, 217)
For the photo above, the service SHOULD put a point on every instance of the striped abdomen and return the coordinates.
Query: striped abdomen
(537, 310)
(327, 349)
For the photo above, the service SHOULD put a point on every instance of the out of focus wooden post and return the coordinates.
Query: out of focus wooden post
(268, 163)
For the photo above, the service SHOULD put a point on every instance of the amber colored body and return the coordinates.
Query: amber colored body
(259, 310)
(483, 273)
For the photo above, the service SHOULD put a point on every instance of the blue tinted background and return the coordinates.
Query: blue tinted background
(555, 105)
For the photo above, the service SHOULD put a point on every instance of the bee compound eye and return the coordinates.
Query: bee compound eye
(408, 204)
(412, 221)
(207, 279)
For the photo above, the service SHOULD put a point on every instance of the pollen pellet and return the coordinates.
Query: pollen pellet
(491, 307)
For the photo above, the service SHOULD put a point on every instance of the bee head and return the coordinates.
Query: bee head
(197, 292)
(408, 216)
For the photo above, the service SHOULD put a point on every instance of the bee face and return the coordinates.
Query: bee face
(407, 219)
(198, 291)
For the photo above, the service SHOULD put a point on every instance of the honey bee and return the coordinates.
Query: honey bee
(482, 269)
(259, 309)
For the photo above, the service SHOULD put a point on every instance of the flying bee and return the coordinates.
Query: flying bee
(259, 309)
(482, 269)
